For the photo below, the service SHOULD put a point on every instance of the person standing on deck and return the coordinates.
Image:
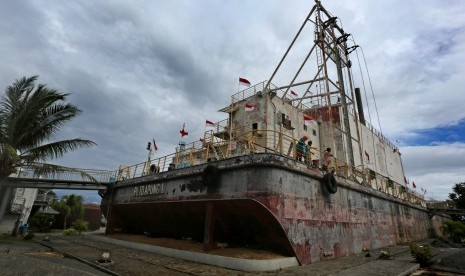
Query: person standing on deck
(301, 149)
(309, 153)
(325, 161)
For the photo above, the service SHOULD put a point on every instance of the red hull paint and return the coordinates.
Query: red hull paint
(268, 206)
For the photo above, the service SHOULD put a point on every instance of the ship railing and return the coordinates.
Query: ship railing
(393, 188)
(380, 135)
(259, 88)
(247, 141)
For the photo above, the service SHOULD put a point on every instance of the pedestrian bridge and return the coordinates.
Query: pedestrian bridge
(75, 179)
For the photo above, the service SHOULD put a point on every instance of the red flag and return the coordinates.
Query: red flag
(249, 107)
(154, 145)
(183, 132)
(367, 156)
(209, 123)
(308, 120)
(405, 181)
(244, 82)
(414, 186)
(294, 94)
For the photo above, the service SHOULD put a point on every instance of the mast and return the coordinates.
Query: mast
(325, 93)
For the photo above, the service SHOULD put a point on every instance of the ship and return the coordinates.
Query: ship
(295, 169)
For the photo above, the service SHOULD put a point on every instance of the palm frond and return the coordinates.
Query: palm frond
(30, 116)
(55, 150)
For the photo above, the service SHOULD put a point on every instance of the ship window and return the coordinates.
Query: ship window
(283, 117)
(254, 129)
(314, 132)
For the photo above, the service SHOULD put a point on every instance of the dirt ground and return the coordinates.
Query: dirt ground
(189, 245)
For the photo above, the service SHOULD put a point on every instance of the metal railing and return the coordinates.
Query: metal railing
(245, 142)
(71, 175)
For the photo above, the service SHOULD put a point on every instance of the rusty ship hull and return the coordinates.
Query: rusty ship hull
(259, 201)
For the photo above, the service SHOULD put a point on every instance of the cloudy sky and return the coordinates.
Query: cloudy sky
(140, 69)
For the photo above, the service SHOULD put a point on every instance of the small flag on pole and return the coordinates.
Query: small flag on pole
(249, 107)
(154, 145)
(367, 156)
(405, 181)
(308, 120)
(183, 132)
(209, 123)
(294, 94)
(244, 82)
(413, 184)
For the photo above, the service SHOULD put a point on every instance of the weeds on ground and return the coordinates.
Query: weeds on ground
(29, 236)
(69, 232)
(456, 230)
(421, 254)
(80, 225)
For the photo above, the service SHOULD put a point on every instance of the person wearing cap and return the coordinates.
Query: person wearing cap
(309, 152)
(325, 160)
(301, 148)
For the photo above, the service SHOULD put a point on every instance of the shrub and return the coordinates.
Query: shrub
(29, 235)
(80, 225)
(372, 174)
(390, 183)
(42, 221)
(69, 232)
(456, 230)
(421, 254)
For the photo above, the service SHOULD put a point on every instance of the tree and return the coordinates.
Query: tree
(30, 116)
(458, 199)
(68, 206)
(42, 221)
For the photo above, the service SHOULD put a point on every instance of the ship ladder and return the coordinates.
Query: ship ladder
(215, 150)
(321, 75)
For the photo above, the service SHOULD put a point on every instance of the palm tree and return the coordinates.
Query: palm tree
(30, 116)
(69, 205)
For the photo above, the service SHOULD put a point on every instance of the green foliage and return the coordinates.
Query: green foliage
(421, 254)
(69, 205)
(80, 225)
(390, 183)
(456, 230)
(42, 221)
(29, 235)
(69, 232)
(372, 174)
(30, 116)
(458, 199)
(403, 189)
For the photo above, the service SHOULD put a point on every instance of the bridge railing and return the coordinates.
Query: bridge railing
(73, 175)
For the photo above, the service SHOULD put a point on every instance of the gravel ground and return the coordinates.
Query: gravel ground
(19, 257)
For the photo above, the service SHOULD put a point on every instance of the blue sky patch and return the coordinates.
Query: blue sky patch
(439, 135)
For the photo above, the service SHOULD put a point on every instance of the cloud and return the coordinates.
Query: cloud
(436, 168)
(139, 70)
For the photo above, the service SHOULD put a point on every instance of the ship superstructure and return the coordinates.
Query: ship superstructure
(255, 180)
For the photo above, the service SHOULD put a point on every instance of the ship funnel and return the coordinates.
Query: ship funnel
(358, 98)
